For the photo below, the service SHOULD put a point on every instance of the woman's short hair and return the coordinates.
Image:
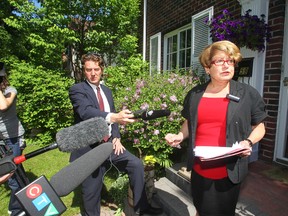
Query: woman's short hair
(228, 47)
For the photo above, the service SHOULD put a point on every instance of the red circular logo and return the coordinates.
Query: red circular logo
(34, 191)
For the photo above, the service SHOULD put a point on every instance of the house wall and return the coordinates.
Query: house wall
(167, 15)
(272, 77)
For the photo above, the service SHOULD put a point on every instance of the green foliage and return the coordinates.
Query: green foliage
(125, 73)
(70, 28)
(119, 191)
(162, 91)
(43, 102)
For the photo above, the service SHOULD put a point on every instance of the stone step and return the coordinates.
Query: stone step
(179, 177)
(174, 200)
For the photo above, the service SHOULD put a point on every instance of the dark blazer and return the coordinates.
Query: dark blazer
(250, 110)
(86, 106)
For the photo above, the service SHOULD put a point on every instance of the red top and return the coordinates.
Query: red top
(211, 131)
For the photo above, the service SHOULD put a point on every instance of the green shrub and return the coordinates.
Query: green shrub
(162, 91)
(119, 192)
(43, 104)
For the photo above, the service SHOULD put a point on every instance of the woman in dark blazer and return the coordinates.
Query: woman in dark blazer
(214, 118)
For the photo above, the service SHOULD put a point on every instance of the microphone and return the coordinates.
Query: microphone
(68, 139)
(150, 115)
(71, 176)
(233, 97)
(42, 197)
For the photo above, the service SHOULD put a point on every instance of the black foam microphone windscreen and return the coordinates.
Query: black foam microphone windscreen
(82, 134)
(71, 176)
(151, 114)
(68, 139)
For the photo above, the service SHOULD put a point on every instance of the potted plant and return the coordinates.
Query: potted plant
(248, 31)
(149, 175)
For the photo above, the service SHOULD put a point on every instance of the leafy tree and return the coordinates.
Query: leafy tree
(69, 28)
(45, 43)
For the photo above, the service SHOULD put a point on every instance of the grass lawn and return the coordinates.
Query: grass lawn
(48, 164)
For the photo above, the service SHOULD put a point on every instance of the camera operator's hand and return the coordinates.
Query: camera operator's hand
(5, 177)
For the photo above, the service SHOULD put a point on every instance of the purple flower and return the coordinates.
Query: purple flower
(140, 84)
(247, 31)
(173, 98)
(156, 132)
(144, 106)
(163, 106)
(171, 81)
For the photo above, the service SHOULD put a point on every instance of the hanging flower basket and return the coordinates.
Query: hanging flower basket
(247, 31)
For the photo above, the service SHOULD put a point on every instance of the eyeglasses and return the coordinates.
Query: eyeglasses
(221, 62)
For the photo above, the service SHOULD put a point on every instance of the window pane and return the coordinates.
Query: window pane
(188, 38)
(182, 39)
(174, 43)
(174, 60)
(154, 54)
(188, 58)
(182, 59)
(169, 45)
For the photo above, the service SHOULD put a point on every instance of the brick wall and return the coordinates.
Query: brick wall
(272, 76)
(167, 15)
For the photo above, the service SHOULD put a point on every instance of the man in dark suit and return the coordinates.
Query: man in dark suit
(92, 99)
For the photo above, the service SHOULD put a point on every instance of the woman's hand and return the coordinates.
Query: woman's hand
(174, 140)
(248, 149)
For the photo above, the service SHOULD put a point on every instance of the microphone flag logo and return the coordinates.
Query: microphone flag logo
(40, 199)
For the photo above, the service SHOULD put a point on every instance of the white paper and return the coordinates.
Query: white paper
(206, 153)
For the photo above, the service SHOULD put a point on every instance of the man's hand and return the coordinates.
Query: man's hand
(123, 117)
(117, 146)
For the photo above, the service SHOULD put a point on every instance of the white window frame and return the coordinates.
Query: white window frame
(177, 32)
(169, 35)
(158, 61)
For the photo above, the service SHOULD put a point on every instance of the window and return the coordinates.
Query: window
(177, 46)
(155, 53)
(183, 46)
